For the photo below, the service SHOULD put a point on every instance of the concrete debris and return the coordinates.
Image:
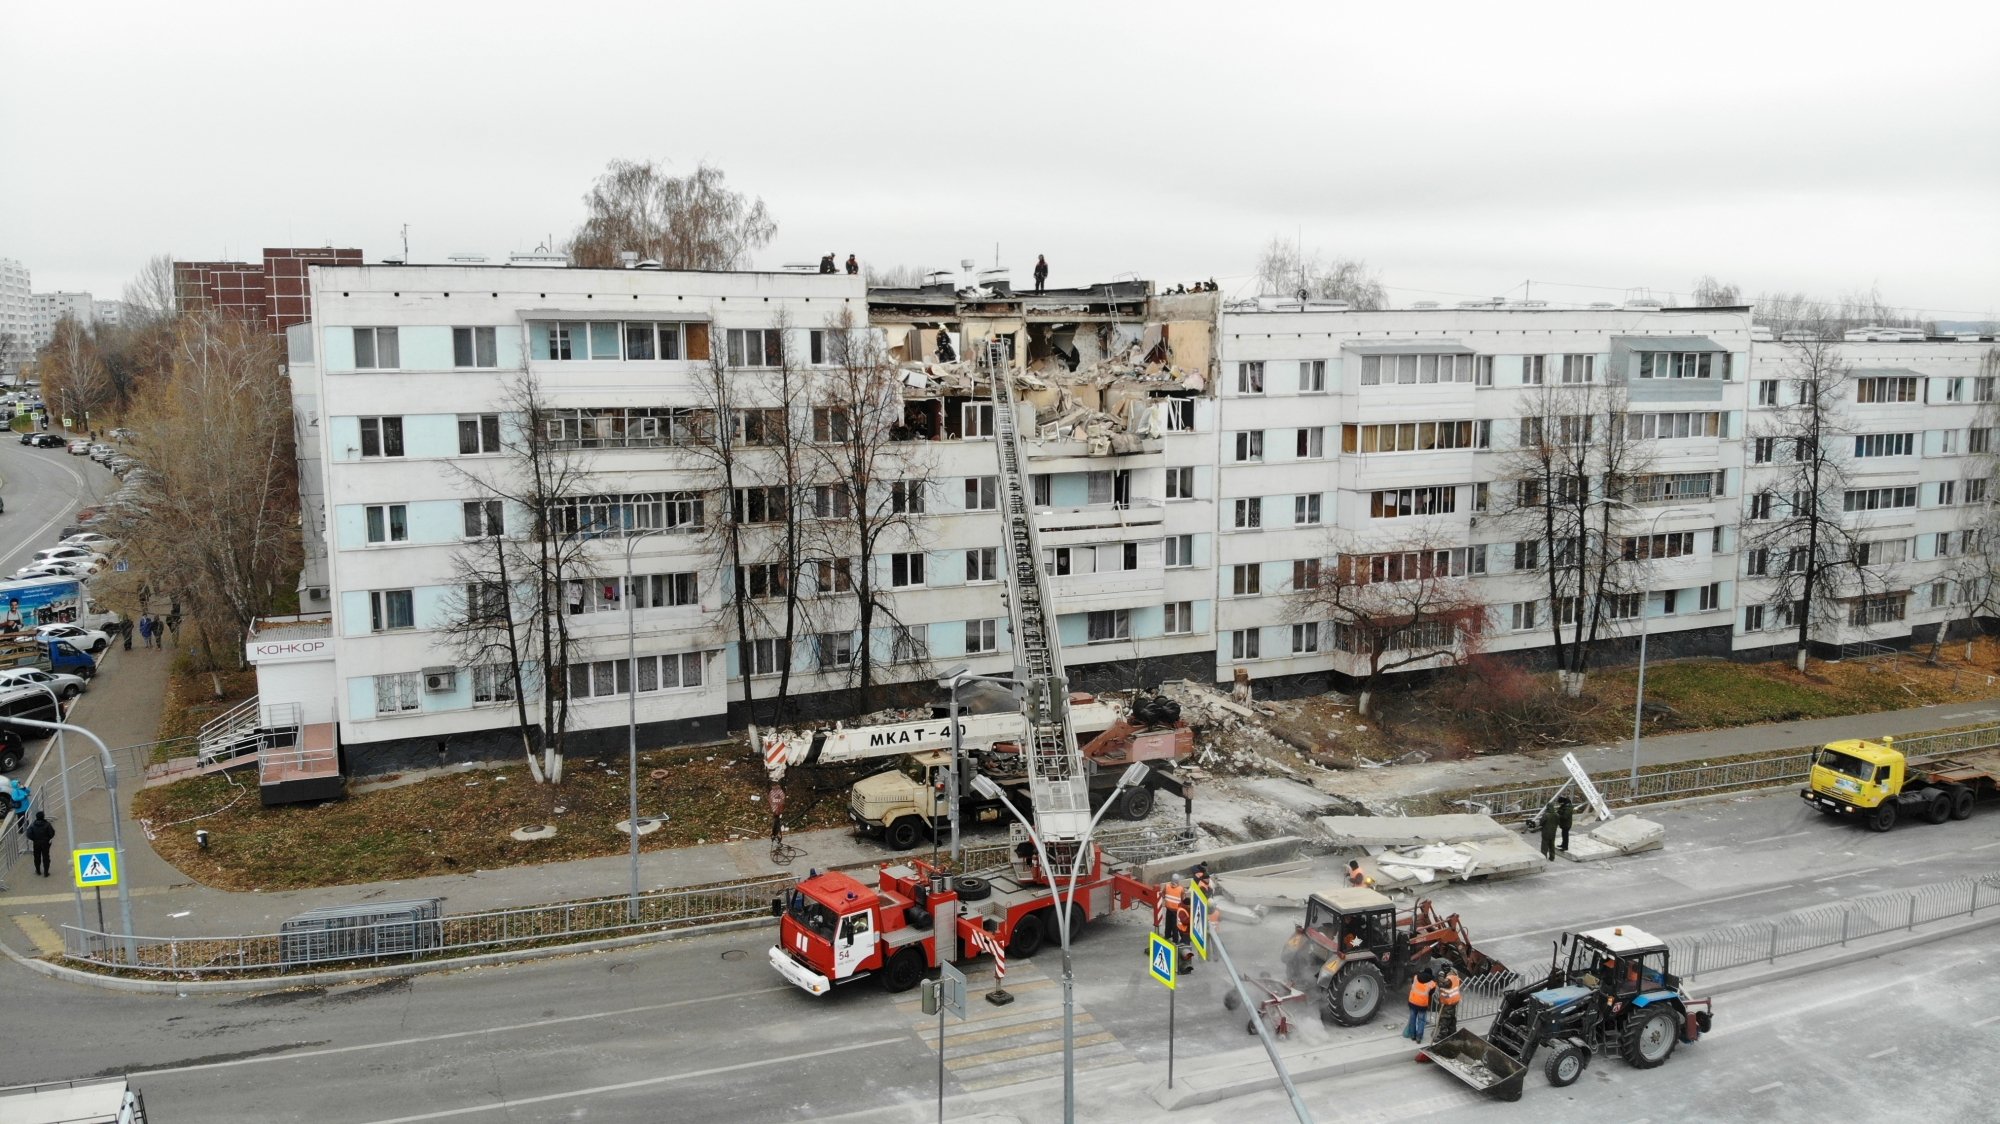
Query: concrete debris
(1479, 858)
(1410, 831)
(1622, 835)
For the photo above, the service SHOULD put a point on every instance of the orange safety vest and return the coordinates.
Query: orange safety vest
(1173, 895)
(1356, 878)
(1420, 993)
(1448, 994)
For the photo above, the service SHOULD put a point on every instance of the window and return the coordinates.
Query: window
(980, 636)
(636, 427)
(1482, 370)
(1941, 545)
(1534, 368)
(1180, 483)
(1414, 437)
(1246, 580)
(1711, 597)
(1522, 615)
(1312, 376)
(831, 501)
(1982, 389)
(1250, 378)
(655, 673)
(1880, 552)
(1767, 392)
(769, 656)
(1249, 514)
(388, 523)
(485, 602)
(1397, 503)
(1415, 369)
(1947, 493)
(1576, 429)
(1532, 431)
(1679, 365)
(478, 434)
(375, 349)
(1245, 644)
(1949, 390)
(1179, 618)
(976, 420)
(1761, 506)
(834, 575)
(666, 591)
(1305, 573)
(1978, 440)
(1410, 565)
(1880, 609)
(1311, 444)
(1757, 562)
(1940, 594)
(397, 694)
(1668, 427)
(1948, 441)
(1670, 544)
(1108, 625)
(1763, 449)
(1753, 618)
(906, 570)
(1528, 555)
(1250, 445)
(1975, 490)
(382, 437)
(1180, 415)
(1623, 606)
(1879, 499)
(484, 519)
(1886, 389)
(982, 493)
(492, 683)
(1884, 444)
(830, 425)
(755, 347)
(758, 427)
(1305, 510)
(1579, 368)
(826, 347)
(1672, 488)
(836, 650)
(1180, 551)
(762, 581)
(982, 564)
(473, 347)
(760, 505)
(906, 497)
(1305, 639)
(392, 609)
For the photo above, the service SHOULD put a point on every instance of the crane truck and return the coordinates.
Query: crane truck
(1874, 781)
(833, 928)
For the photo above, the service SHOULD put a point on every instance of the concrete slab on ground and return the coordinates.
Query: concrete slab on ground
(1409, 831)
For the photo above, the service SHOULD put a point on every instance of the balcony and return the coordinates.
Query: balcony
(1101, 516)
(1114, 589)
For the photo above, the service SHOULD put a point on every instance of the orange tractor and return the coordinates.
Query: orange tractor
(1355, 945)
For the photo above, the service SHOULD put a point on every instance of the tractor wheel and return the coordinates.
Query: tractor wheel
(1938, 808)
(1883, 817)
(1353, 997)
(1027, 938)
(905, 833)
(1138, 804)
(1565, 1065)
(1251, 1026)
(904, 971)
(1961, 802)
(1650, 1036)
(972, 888)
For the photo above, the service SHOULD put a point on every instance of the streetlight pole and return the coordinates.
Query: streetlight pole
(1134, 773)
(951, 680)
(69, 825)
(1639, 701)
(110, 768)
(632, 538)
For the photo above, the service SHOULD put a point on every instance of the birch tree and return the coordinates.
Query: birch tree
(682, 222)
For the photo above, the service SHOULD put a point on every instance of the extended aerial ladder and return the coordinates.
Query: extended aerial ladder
(1057, 783)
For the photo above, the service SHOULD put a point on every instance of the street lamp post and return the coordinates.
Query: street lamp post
(1639, 701)
(985, 786)
(632, 723)
(110, 768)
(69, 825)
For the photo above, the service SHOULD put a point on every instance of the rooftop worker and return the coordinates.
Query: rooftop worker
(1420, 1005)
(1041, 272)
(1355, 877)
(853, 266)
(826, 264)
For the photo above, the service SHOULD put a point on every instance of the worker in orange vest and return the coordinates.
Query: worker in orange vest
(1447, 1000)
(1175, 920)
(1355, 877)
(1420, 1005)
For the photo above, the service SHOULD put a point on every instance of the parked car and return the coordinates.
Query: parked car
(89, 639)
(93, 541)
(123, 434)
(28, 437)
(101, 452)
(79, 448)
(48, 441)
(68, 553)
(65, 686)
(51, 570)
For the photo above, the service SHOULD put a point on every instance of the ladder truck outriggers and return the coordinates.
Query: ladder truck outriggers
(834, 928)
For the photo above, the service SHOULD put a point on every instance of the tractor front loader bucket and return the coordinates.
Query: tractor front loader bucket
(1479, 1063)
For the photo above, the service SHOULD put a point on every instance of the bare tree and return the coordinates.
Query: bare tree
(488, 622)
(875, 478)
(10, 345)
(1575, 447)
(74, 379)
(1711, 293)
(1399, 605)
(682, 222)
(1284, 268)
(1800, 313)
(151, 294)
(895, 276)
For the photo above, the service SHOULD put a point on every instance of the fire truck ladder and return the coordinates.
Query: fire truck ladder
(1057, 783)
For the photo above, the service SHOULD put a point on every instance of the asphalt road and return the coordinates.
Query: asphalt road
(43, 488)
(704, 1030)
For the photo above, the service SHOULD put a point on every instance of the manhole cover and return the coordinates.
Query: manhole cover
(734, 954)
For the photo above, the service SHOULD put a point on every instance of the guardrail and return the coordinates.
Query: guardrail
(527, 927)
(1780, 768)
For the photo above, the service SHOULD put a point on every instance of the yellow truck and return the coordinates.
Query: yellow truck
(1872, 780)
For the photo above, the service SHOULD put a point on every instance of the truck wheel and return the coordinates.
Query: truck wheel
(10, 759)
(904, 833)
(1937, 809)
(1027, 937)
(1138, 804)
(1650, 1037)
(1565, 1065)
(1961, 802)
(904, 971)
(1884, 816)
(972, 888)
(1354, 996)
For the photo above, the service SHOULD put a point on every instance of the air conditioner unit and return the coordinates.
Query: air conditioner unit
(440, 679)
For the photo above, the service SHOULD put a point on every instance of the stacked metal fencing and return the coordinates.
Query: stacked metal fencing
(496, 930)
(1519, 802)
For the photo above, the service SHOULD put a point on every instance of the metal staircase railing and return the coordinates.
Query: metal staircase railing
(1057, 784)
(230, 734)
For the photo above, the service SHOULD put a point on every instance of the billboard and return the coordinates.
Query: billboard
(25, 604)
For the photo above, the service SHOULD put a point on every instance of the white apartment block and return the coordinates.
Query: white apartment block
(17, 317)
(51, 308)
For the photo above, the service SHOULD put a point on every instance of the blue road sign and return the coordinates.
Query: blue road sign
(1198, 918)
(1161, 962)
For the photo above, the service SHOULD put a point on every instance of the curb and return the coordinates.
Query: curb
(1262, 1079)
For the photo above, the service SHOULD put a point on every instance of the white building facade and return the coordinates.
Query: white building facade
(17, 317)
(49, 309)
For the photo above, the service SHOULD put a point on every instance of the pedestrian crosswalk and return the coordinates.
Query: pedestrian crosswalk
(996, 1046)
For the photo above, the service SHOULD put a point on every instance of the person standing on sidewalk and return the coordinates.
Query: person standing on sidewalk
(1565, 815)
(125, 632)
(42, 834)
(1447, 999)
(1549, 835)
(146, 631)
(777, 799)
(1421, 990)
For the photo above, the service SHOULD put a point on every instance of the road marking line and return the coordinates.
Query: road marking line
(38, 931)
(1758, 1089)
(508, 1028)
(1774, 838)
(1884, 1053)
(1049, 1046)
(1849, 874)
(622, 1086)
(1987, 1019)
(1984, 846)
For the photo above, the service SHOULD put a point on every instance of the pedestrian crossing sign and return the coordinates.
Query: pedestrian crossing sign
(1160, 960)
(96, 866)
(1199, 915)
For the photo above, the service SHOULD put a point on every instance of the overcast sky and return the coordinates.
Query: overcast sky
(1460, 149)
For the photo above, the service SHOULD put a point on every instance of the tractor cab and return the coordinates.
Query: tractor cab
(1351, 919)
(1619, 962)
